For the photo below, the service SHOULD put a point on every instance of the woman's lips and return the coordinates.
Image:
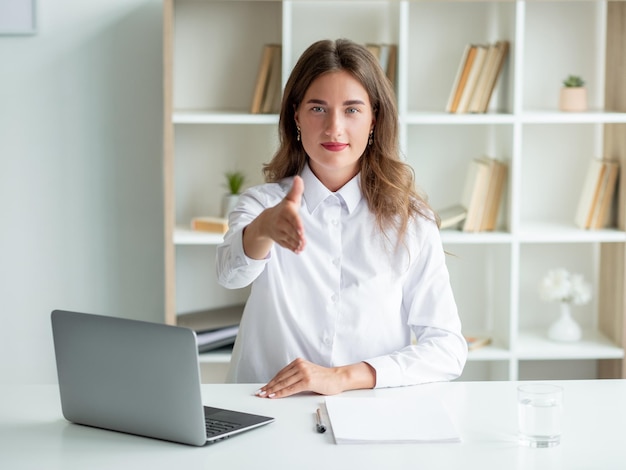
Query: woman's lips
(334, 146)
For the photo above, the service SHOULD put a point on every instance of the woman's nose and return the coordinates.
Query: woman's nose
(334, 124)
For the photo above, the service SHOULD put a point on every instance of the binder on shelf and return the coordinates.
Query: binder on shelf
(209, 340)
(214, 328)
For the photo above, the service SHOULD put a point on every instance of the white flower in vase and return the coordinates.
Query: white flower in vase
(561, 286)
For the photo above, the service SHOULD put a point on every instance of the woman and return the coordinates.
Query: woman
(344, 256)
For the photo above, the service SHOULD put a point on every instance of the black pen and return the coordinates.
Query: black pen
(321, 427)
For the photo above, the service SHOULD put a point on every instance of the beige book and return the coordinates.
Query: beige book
(482, 82)
(470, 84)
(601, 212)
(476, 342)
(589, 193)
(467, 59)
(475, 193)
(262, 79)
(392, 64)
(452, 216)
(503, 50)
(497, 180)
(273, 93)
(209, 224)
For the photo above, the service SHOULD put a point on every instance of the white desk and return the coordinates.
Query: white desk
(34, 435)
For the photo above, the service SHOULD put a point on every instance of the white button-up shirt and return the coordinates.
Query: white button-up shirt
(349, 296)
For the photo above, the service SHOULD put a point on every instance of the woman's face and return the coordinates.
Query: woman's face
(335, 119)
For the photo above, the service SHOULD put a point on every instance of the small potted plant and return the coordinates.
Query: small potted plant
(234, 185)
(573, 97)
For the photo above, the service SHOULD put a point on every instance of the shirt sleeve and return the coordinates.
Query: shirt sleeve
(234, 268)
(440, 350)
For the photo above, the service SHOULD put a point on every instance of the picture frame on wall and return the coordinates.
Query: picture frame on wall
(18, 17)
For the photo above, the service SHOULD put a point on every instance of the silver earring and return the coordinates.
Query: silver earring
(371, 139)
(298, 137)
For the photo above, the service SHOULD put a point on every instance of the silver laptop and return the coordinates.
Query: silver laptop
(139, 378)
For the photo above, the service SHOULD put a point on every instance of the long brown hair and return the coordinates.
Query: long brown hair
(387, 183)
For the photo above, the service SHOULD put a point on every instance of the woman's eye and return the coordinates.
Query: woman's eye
(317, 109)
(352, 110)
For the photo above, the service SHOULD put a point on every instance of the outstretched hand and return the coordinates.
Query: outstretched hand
(279, 224)
(284, 223)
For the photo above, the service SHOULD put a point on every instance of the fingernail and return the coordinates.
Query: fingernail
(261, 392)
(271, 395)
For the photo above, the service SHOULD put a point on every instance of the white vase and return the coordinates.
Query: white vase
(565, 327)
(229, 201)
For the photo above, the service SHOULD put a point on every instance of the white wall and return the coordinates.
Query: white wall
(80, 174)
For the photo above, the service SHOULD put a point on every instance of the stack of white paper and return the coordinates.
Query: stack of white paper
(368, 420)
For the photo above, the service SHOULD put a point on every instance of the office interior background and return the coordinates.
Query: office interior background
(81, 143)
(81, 224)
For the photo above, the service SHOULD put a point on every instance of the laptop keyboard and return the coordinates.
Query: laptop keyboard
(215, 427)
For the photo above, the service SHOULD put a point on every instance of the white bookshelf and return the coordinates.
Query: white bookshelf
(212, 50)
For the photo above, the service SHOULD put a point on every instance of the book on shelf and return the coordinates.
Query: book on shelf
(451, 217)
(602, 214)
(477, 342)
(210, 224)
(475, 193)
(480, 199)
(387, 55)
(481, 81)
(495, 191)
(491, 78)
(597, 194)
(267, 89)
(472, 78)
(273, 93)
(467, 59)
(476, 77)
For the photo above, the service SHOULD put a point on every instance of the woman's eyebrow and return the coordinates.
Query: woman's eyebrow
(345, 103)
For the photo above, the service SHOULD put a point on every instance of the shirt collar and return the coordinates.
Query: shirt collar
(315, 192)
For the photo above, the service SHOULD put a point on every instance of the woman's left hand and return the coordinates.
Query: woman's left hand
(304, 376)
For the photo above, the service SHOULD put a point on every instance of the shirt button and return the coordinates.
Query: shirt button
(326, 340)
(336, 261)
(334, 298)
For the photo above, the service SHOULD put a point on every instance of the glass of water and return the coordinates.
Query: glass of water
(540, 407)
